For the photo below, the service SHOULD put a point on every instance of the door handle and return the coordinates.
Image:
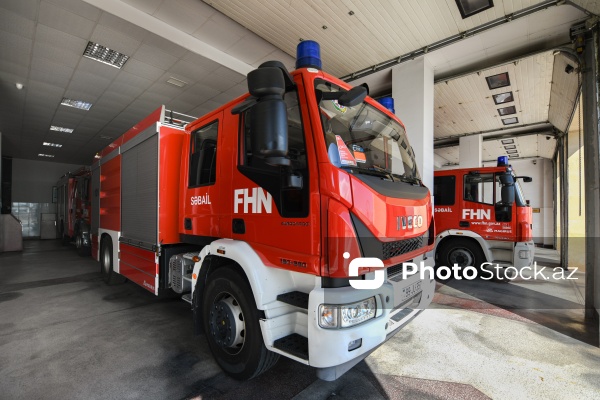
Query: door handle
(238, 226)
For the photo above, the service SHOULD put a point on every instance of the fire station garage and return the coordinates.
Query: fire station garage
(207, 199)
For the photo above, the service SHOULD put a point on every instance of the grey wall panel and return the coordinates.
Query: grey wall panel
(139, 191)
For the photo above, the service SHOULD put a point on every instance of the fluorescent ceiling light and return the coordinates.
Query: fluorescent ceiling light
(510, 147)
(511, 152)
(502, 98)
(472, 7)
(507, 141)
(498, 80)
(105, 55)
(52, 144)
(82, 105)
(176, 82)
(510, 121)
(513, 155)
(60, 129)
(507, 110)
(45, 155)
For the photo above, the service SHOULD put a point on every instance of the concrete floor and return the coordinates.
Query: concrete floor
(64, 334)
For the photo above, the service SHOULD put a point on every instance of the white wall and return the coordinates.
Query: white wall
(32, 183)
(32, 180)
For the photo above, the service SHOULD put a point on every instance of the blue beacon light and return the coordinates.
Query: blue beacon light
(388, 102)
(502, 161)
(308, 54)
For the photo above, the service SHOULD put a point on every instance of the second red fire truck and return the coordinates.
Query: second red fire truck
(481, 216)
(256, 211)
(73, 206)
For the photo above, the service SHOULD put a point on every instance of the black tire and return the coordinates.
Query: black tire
(109, 276)
(82, 250)
(463, 252)
(231, 325)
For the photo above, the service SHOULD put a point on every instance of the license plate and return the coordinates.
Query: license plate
(410, 291)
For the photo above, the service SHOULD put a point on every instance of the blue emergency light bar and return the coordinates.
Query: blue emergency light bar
(308, 54)
(503, 161)
(387, 102)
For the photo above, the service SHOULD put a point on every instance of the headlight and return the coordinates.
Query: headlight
(349, 314)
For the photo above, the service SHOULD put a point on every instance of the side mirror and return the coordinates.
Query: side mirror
(507, 194)
(268, 116)
(353, 97)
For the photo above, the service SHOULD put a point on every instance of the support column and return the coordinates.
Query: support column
(412, 90)
(469, 151)
(549, 188)
(591, 145)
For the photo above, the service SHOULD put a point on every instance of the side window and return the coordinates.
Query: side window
(444, 188)
(479, 188)
(203, 155)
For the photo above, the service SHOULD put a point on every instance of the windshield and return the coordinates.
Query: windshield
(363, 139)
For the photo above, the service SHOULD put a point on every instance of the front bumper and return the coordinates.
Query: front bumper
(523, 254)
(329, 348)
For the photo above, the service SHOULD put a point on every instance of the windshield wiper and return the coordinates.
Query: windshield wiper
(407, 179)
(369, 171)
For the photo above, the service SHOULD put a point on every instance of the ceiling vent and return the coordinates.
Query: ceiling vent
(105, 55)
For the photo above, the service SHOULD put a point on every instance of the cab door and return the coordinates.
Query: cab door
(279, 220)
(205, 180)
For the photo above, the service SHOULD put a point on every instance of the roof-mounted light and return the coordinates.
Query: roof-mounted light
(503, 161)
(388, 102)
(308, 54)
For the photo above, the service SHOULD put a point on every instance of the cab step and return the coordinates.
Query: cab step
(296, 299)
(187, 297)
(294, 344)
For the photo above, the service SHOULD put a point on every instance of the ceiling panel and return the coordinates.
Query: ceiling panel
(564, 91)
(465, 104)
(15, 23)
(62, 19)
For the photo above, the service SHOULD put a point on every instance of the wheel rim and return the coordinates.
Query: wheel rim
(78, 241)
(461, 257)
(227, 326)
(105, 260)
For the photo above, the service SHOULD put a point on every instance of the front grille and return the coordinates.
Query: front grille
(394, 270)
(399, 247)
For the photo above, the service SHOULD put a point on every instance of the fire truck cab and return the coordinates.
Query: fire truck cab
(481, 216)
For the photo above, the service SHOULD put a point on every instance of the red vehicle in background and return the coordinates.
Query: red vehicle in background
(482, 216)
(74, 209)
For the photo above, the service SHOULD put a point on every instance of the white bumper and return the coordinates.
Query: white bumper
(523, 254)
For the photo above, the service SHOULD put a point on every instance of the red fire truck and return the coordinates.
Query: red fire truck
(481, 216)
(255, 212)
(73, 206)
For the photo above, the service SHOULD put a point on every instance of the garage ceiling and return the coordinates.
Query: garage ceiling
(42, 42)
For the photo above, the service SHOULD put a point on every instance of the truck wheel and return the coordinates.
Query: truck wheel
(106, 263)
(462, 252)
(231, 325)
(82, 250)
